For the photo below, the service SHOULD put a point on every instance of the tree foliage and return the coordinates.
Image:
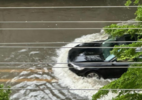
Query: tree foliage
(129, 80)
(4, 94)
(132, 78)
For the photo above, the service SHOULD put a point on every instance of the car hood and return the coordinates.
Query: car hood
(85, 54)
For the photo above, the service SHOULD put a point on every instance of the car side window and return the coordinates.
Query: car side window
(126, 38)
(111, 56)
(129, 38)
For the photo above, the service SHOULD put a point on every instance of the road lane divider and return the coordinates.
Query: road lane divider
(21, 70)
(29, 80)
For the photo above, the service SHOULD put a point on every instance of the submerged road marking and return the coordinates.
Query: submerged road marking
(21, 70)
(28, 80)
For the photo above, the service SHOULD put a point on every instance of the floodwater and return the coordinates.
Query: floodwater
(32, 72)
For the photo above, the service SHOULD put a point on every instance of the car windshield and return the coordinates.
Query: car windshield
(106, 51)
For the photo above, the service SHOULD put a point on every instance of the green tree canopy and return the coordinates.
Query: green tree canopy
(132, 79)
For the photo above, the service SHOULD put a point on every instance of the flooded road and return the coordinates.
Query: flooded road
(33, 72)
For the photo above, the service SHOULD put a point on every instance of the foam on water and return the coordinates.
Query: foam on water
(72, 81)
(35, 90)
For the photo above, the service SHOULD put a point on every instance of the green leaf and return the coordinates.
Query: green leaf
(128, 2)
(132, 79)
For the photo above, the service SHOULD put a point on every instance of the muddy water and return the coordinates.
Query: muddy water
(33, 73)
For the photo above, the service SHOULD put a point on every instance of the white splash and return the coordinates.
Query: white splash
(33, 52)
(23, 50)
(72, 81)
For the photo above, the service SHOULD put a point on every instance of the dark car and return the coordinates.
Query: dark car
(87, 62)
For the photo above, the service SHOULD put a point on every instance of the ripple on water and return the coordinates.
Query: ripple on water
(43, 89)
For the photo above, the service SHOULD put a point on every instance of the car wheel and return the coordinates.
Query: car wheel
(93, 74)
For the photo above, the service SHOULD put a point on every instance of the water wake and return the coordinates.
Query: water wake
(72, 81)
